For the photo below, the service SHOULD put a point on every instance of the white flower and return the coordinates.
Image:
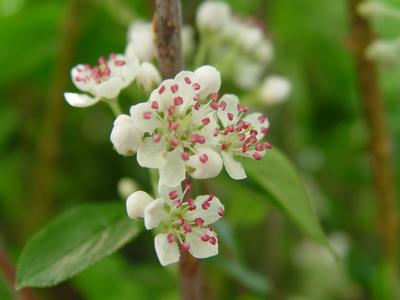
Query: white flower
(148, 76)
(140, 36)
(370, 8)
(212, 16)
(275, 89)
(250, 36)
(182, 226)
(125, 135)
(247, 73)
(136, 204)
(126, 186)
(180, 126)
(240, 136)
(104, 81)
(264, 52)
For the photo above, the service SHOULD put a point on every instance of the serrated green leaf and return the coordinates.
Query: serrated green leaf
(73, 242)
(277, 176)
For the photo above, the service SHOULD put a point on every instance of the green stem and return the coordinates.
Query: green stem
(114, 105)
(154, 181)
(202, 50)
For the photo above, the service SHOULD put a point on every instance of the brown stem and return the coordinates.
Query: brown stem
(8, 270)
(380, 144)
(44, 170)
(167, 24)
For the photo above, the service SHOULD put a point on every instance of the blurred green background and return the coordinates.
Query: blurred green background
(53, 156)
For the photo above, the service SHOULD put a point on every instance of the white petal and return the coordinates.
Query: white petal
(209, 215)
(173, 172)
(109, 88)
(138, 112)
(199, 248)
(184, 80)
(167, 253)
(82, 78)
(132, 65)
(80, 100)
(148, 77)
(208, 169)
(209, 79)
(212, 16)
(154, 214)
(234, 168)
(151, 154)
(136, 203)
(140, 36)
(164, 191)
(125, 135)
(232, 102)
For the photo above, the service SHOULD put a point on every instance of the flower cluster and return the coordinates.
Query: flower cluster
(185, 127)
(180, 225)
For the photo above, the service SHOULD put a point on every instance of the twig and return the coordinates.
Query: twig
(8, 270)
(380, 144)
(167, 23)
(167, 27)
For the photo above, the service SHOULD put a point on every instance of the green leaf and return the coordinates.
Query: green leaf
(277, 176)
(73, 242)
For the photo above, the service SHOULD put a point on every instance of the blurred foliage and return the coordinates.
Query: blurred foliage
(321, 129)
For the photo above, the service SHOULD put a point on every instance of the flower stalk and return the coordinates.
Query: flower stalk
(168, 21)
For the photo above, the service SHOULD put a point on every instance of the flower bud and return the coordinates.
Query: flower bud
(125, 135)
(126, 186)
(384, 52)
(275, 89)
(248, 74)
(370, 9)
(250, 37)
(264, 52)
(209, 79)
(148, 77)
(212, 16)
(136, 203)
(141, 37)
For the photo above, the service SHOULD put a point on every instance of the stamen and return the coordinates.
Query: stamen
(161, 89)
(187, 80)
(205, 237)
(147, 115)
(154, 105)
(214, 96)
(172, 195)
(261, 119)
(256, 156)
(205, 205)
(178, 101)
(206, 121)
(185, 156)
(221, 212)
(185, 246)
(174, 142)
(214, 105)
(186, 228)
(174, 88)
(170, 237)
(213, 240)
(119, 63)
(222, 105)
(230, 116)
(199, 221)
(196, 86)
(156, 138)
(203, 158)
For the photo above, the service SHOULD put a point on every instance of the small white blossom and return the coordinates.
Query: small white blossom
(385, 52)
(370, 8)
(104, 81)
(275, 89)
(148, 76)
(248, 73)
(125, 135)
(126, 186)
(182, 225)
(136, 204)
(140, 36)
(212, 16)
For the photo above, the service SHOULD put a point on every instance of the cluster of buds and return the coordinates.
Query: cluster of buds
(185, 127)
(181, 225)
